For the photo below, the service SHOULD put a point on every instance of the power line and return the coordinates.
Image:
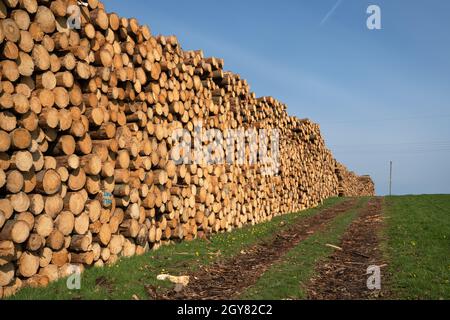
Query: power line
(359, 152)
(425, 143)
(372, 119)
(401, 147)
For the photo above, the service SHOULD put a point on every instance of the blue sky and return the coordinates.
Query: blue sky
(378, 95)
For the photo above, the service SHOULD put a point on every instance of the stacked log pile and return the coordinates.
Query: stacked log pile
(87, 118)
(352, 185)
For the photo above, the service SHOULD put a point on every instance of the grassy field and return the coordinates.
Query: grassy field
(418, 246)
(415, 241)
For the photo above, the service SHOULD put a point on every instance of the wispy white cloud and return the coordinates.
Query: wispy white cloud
(328, 15)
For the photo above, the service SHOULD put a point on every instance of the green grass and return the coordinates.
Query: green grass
(286, 279)
(128, 276)
(418, 246)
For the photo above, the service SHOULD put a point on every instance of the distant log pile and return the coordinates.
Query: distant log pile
(87, 118)
(352, 185)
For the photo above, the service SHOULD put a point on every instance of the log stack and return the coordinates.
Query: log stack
(87, 172)
(352, 185)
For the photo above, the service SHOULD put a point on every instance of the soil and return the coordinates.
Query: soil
(104, 283)
(226, 279)
(343, 276)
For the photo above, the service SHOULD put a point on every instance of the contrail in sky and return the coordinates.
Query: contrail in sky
(338, 3)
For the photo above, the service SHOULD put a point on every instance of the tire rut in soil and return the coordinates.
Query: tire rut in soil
(343, 276)
(226, 279)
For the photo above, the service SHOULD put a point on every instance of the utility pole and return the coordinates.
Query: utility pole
(390, 181)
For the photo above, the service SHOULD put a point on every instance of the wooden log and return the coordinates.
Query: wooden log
(14, 181)
(25, 63)
(26, 44)
(41, 58)
(28, 264)
(81, 243)
(20, 138)
(45, 257)
(30, 6)
(77, 180)
(49, 117)
(20, 103)
(83, 70)
(64, 146)
(35, 242)
(106, 131)
(2, 219)
(22, 161)
(64, 79)
(91, 164)
(105, 254)
(65, 222)
(12, 288)
(46, 80)
(50, 271)
(7, 208)
(5, 141)
(116, 244)
(37, 281)
(59, 8)
(20, 202)
(48, 182)
(46, 97)
(70, 162)
(10, 70)
(93, 208)
(26, 217)
(8, 252)
(74, 202)
(46, 20)
(62, 97)
(69, 62)
(8, 121)
(10, 29)
(60, 258)
(16, 231)
(81, 225)
(55, 240)
(53, 205)
(10, 51)
(129, 228)
(86, 258)
(43, 225)
(6, 274)
(104, 235)
(116, 219)
(161, 177)
(36, 204)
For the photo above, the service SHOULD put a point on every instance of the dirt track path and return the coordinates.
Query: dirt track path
(227, 279)
(343, 275)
